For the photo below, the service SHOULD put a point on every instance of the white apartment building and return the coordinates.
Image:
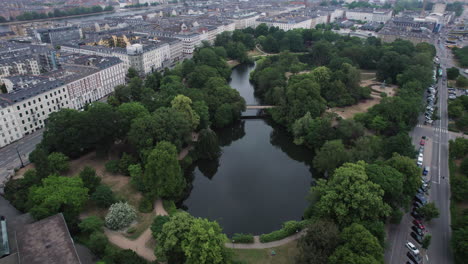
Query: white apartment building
(242, 21)
(189, 41)
(22, 66)
(287, 23)
(370, 15)
(31, 99)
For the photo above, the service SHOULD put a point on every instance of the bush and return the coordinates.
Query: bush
(131, 230)
(157, 225)
(112, 166)
(146, 205)
(103, 196)
(97, 243)
(242, 238)
(452, 73)
(120, 216)
(91, 224)
(170, 207)
(288, 229)
(126, 256)
(124, 162)
(58, 162)
(89, 178)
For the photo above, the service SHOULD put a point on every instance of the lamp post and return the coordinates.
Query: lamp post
(19, 156)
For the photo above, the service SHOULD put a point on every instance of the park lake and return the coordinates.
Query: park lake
(261, 179)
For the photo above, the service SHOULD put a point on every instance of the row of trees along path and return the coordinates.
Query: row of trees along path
(139, 245)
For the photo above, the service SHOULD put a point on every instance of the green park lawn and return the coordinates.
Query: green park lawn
(285, 254)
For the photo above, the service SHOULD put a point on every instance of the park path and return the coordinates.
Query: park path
(138, 245)
(259, 245)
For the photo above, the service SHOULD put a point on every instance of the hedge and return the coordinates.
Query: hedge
(242, 238)
(289, 228)
(170, 207)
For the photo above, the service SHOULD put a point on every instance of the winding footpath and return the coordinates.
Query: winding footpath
(138, 245)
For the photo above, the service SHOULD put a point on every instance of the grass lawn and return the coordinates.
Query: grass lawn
(285, 254)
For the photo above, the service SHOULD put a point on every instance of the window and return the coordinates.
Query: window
(18, 107)
(27, 112)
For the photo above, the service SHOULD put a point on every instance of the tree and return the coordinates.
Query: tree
(100, 124)
(401, 144)
(390, 180)
(58, 163)
(103, 196)
(163, 176)
(127, 112)
(89, 178)
(358, 246)
(58, 194)
(453, 73)
(330, 156)
(16, 190)
(182, 104)
(91, 224)
(460, 244)
(97, 243)
(426, 241)
(126, 256)
(462, 81)
(120, 215)
(207, 145)
(132, 73)
(158, 223)
(318, 243)
(349, 186)
(185, 239)
(411, 174)
(429, 211)
(204, 243)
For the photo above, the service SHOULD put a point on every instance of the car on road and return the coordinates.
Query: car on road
(420, 198)
(412, 248)
(415, 258)
(428, 122)
(422, 142)
(426, 170)
(416, 237)
(417, 230)
(419, 224)
(417, 204)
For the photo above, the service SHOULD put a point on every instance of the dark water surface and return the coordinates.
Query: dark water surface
(261, 179)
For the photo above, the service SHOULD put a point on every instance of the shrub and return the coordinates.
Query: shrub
(103, 196)
(170, 207)
(112, 166)
(126, 256)
(146, 205)
(131, 230)
(288, 229)
(58, 162)
(383, 94)
(120, 216)
(157, 225)
(97, 243)
(89, 178)
(124, 162)
(91, 224)
(242, 238)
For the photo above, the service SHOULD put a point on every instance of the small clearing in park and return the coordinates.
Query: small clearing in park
(364, 105)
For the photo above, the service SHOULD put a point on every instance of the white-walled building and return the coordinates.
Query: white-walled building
(19, 65)
(245, 20)
(369, 14)
(286, 23)
(31, 99)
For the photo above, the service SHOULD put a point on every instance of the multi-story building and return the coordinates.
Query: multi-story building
(286, 22)
(369, 14)
(31, 99)
(244, 20)
(56, 36)
(19, 65)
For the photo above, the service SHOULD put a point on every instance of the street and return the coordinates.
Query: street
(9, 159)
(436, 157)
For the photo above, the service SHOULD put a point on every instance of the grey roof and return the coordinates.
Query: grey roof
(41, 85)
(46, 241)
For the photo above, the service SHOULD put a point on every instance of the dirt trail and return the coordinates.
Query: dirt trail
(138, 245)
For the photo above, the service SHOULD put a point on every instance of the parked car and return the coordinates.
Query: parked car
(428, 122)
(412, 248)
(417, 237)
(420, 198)
(426, 170)
(416, 215)
(415, 258)
(419, 224)
(417, 204)
(422, 142)
(417, 230)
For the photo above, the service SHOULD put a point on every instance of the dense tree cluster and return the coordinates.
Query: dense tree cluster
(185, 239)
(458, 111)
(458, 150)
(461, 55)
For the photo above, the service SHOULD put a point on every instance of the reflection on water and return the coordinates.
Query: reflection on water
(260, 180)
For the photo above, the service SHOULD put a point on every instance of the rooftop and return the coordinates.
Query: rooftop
(46, 241)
